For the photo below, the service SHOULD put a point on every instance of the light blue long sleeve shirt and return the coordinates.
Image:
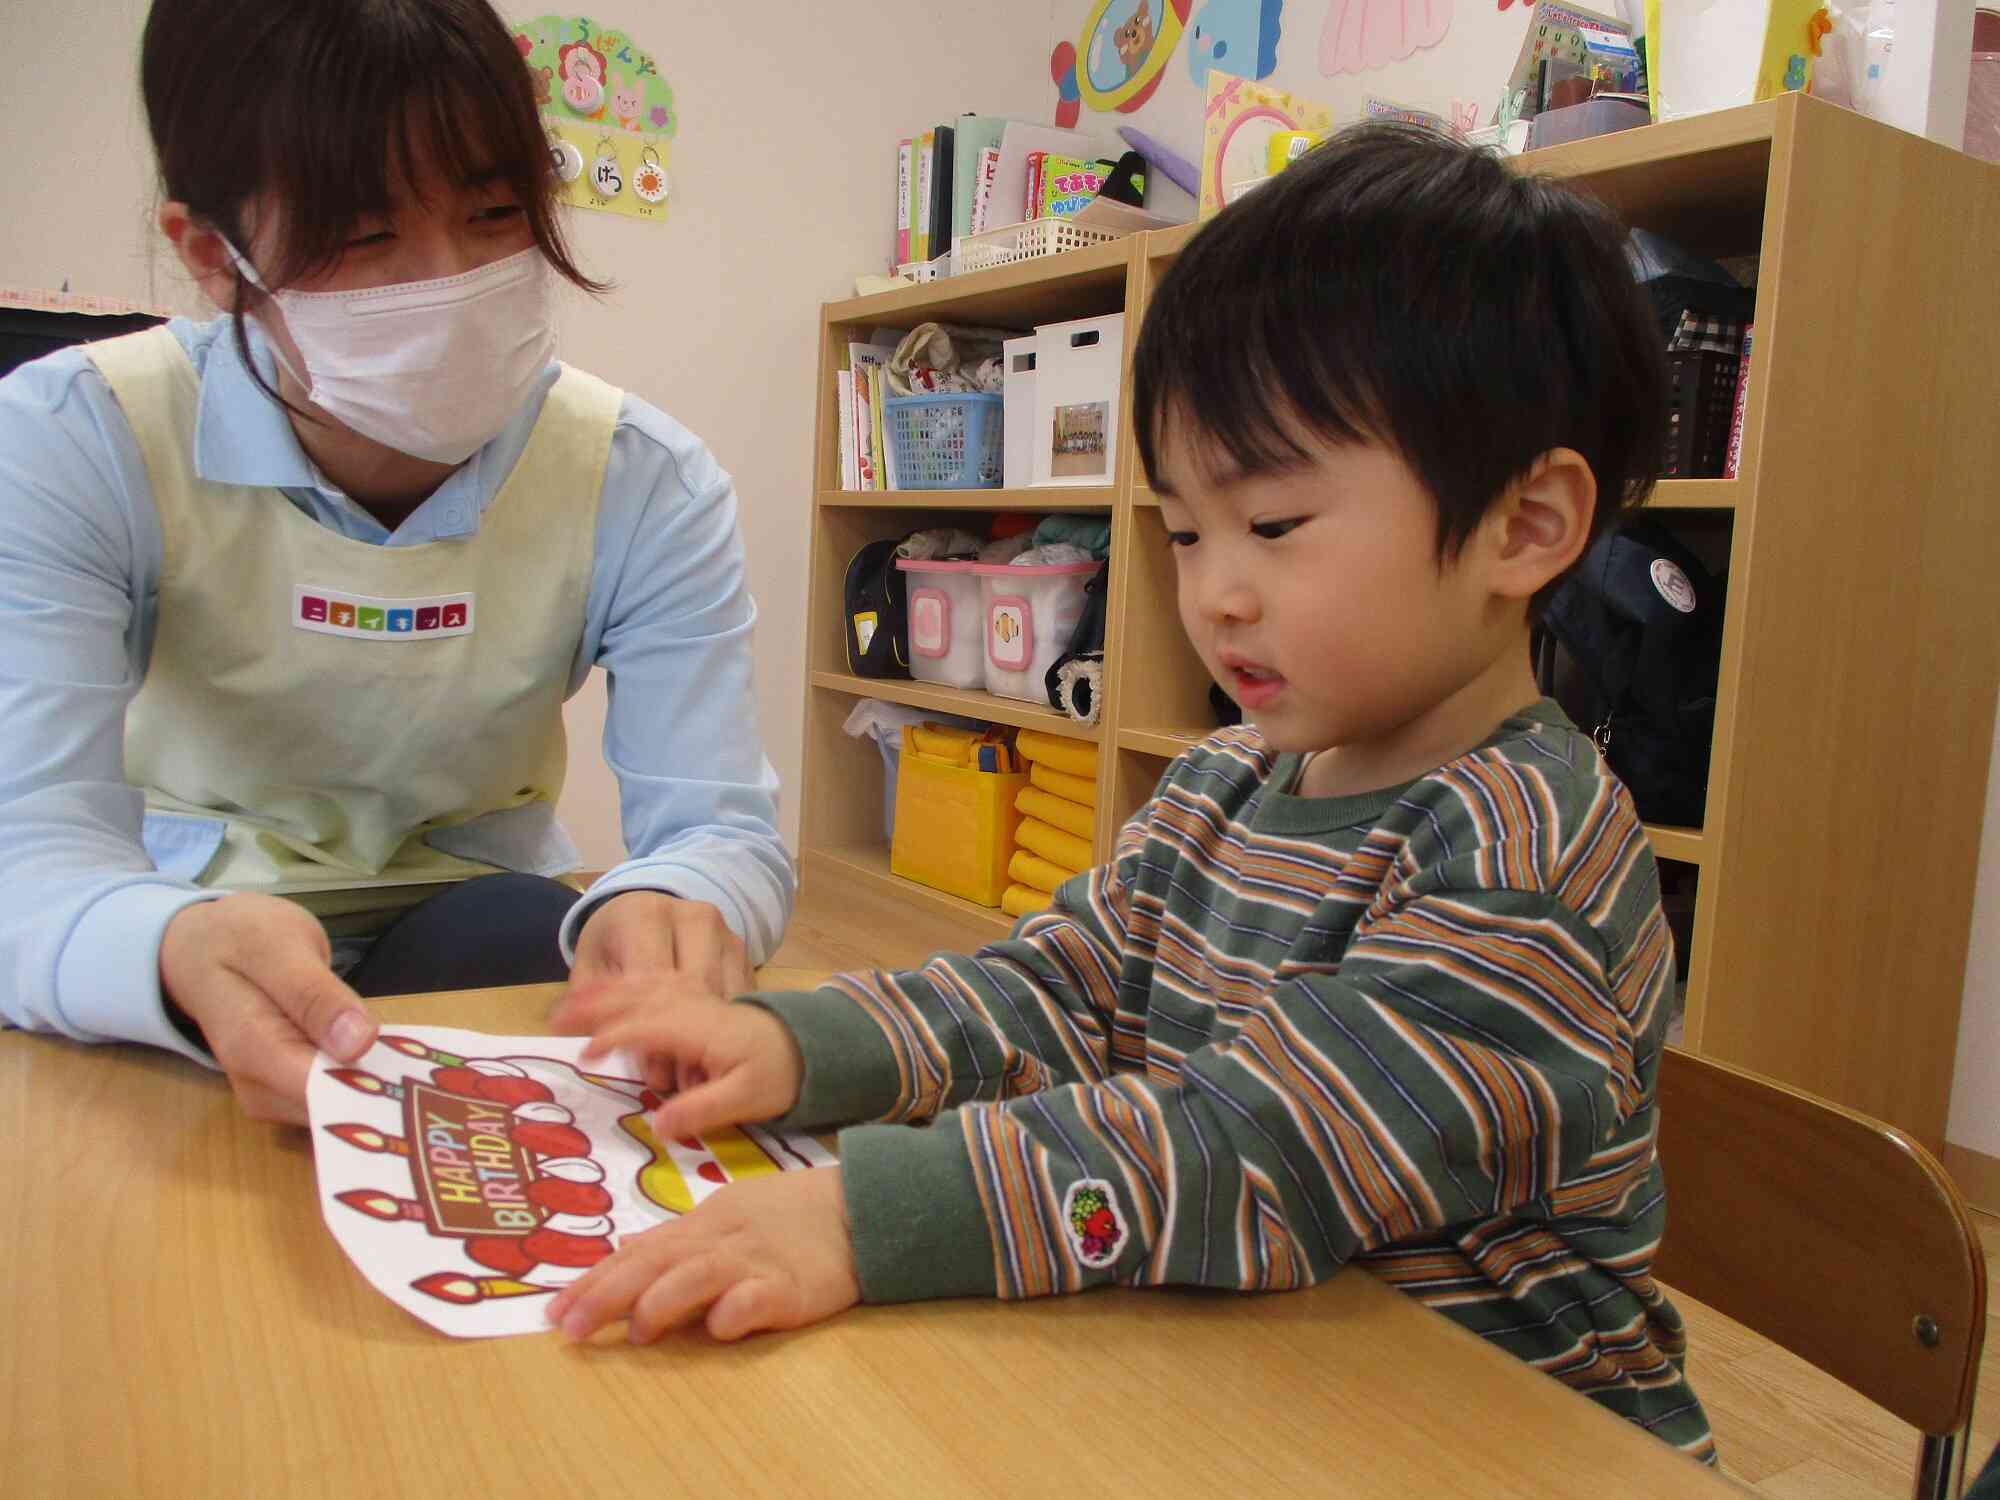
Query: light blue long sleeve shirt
(669, 619)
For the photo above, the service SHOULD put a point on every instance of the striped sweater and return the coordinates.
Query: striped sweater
(1418, 1028)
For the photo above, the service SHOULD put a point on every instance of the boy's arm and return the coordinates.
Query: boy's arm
(1469, 1055)
(1054, 1003)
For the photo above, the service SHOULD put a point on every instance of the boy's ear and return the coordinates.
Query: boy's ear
(201, 250)
(1542, 525)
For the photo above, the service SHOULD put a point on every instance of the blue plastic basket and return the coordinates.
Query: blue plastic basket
(945, 442)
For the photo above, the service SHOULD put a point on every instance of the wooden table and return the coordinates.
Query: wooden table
(177, 1321)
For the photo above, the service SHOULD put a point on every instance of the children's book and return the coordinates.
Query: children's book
(942, 169)
(1734, 458)
(972, 137)
(850, 474)
(1066, 185)
(982, 191)
(1010, 178)
(904, 149)
(866, 361)
(920, 201)
(878, 387)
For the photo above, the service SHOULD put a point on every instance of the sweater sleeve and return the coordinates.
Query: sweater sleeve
(1471, 1051)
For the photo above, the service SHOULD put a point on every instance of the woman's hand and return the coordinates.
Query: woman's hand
(653, 934)
(767, 1252)
(252, 972)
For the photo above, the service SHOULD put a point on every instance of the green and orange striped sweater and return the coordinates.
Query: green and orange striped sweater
(1276, 1034)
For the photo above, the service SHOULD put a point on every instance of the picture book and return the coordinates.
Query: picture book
(941, 189)
(866, 362)
(1733, 459)
(904, 149)
(982, 191)
(878, 388)
(469, 1176)
(1068, 184)
(850, 471)
(864, 427)
(1010, 177)
(920, 200)
(972, 137)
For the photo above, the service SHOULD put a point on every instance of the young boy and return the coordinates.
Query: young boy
(1380, 975)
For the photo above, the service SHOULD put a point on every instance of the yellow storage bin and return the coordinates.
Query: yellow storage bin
(955, 827)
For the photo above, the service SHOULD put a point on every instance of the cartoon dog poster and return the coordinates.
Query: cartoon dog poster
(469, 1176)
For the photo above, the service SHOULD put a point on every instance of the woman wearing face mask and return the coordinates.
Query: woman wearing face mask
(294, 596)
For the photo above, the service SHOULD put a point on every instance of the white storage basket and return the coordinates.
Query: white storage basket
(1004, 246)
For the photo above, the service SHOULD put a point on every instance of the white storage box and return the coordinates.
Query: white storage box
(1028, 615)
(1077, 371)
(1017, 363)
(947, 630)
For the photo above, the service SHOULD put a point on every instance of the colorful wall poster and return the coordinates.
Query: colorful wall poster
(1363, 34)
(1239, 119)
(1116, 61)
(1238, 36)
(469, 1176)
(609, 111)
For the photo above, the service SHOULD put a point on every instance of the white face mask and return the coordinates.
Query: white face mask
(430, 368)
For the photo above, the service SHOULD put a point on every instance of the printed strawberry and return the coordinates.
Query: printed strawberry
(502, 1254)
(1101, 1226)
(560, 1196)
(505, 1089)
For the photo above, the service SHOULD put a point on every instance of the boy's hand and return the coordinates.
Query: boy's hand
(768, 1252)
(734, 1063)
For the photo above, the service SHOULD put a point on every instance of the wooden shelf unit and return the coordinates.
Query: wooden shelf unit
(1835, 864)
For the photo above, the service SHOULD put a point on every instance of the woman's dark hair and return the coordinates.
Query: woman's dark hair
(1397, 286)
(328, 106)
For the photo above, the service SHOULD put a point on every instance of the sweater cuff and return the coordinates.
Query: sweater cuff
(914, 1214)
(850, 1069)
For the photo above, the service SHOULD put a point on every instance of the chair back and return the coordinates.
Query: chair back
(1825, 1231)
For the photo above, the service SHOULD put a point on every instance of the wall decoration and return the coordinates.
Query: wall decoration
(1238, 36)
(1117, 60)
(1362, 34)
(1240, 117)
(609, 112)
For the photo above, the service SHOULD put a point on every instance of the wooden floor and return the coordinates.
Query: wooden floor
(1784, 1429)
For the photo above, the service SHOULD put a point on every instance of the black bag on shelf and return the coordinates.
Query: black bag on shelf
(1630, 646)
(875, 612)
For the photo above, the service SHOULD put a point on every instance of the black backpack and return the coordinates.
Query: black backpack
(875, 600)
(1630, 647)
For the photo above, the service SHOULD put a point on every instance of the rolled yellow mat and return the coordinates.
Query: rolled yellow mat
(1032, 869)
(1019, 900)
(1064, 849)
(1070, 788)
(1070, 817)
(1078, 757)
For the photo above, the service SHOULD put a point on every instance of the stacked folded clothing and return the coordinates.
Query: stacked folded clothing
(1058, 811)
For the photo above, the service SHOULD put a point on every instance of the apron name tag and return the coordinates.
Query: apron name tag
(360, 617)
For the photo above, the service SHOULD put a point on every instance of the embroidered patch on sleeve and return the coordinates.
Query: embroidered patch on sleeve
(1094, 1222)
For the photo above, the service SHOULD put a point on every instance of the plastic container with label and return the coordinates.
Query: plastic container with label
(947, 637)
(1028, 615)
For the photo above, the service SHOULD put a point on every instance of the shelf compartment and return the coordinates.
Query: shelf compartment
(1698, 494)
(1048, 289)
(1093, 497)
(1162, 742)
(1688, 845)
(868, 865)
(970, 702)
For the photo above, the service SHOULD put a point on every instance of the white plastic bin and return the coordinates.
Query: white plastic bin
(1028, 615)
(947, 634)
(1077, 371)
(1017, 394)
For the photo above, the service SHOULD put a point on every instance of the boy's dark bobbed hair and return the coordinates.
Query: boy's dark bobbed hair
(1397, 286)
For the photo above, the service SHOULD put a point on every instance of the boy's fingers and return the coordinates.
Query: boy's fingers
(681, 1295)
(586, 1305)
(751, 1305)
(313, 998)
(711, 1103)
